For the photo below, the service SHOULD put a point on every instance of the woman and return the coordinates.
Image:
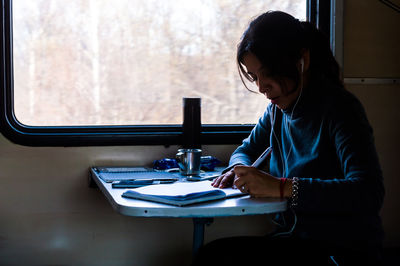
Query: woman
(323, 156)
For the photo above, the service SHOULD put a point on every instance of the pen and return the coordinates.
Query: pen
(148, 179)
(257, 163)
(140, 183)
(202, 177)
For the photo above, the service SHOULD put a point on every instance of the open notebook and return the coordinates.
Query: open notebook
(182, 193)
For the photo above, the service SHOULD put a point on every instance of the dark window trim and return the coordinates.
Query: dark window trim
(99, 135)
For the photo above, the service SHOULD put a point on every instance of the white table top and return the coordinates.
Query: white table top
(229, 207)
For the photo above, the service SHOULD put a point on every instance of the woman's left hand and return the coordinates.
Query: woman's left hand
(255, 182)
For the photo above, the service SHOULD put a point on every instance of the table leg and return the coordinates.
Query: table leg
(198, 232)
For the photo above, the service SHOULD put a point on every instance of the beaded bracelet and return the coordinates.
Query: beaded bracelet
(295, 191)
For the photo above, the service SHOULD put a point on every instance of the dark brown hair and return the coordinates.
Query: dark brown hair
(278, 40)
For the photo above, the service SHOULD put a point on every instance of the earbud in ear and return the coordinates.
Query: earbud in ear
(302, 65)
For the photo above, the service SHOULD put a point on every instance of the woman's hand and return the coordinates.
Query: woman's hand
(224, 180)
(255, 182)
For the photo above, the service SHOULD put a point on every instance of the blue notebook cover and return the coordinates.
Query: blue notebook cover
(181, 193)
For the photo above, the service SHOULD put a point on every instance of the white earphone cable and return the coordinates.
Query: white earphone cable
(285, 162)
(273, 117)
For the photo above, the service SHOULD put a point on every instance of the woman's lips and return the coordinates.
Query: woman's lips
(274, 100)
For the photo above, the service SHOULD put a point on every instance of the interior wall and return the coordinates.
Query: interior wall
(372, 50)
(49, 215)
(371, 40)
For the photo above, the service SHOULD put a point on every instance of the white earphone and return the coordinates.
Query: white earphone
(302, 65)
(284, 159)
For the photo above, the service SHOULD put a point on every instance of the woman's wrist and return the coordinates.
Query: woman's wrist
(288, 188)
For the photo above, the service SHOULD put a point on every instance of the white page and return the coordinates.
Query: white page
(183, 188)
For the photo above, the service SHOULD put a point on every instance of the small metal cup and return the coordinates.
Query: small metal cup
(189, 161)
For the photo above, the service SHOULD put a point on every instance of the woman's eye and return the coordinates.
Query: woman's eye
(253, 78)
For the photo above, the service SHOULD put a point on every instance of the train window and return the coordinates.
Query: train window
(124, 62)
(99, 72)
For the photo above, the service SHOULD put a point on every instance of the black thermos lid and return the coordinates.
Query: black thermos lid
(191, 123)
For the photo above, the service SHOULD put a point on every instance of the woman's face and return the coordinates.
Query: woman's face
(268, 85)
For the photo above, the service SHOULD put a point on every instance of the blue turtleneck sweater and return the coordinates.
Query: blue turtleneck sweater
(327, 142)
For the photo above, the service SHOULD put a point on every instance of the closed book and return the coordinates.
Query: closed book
(111, 174)
(182, 193)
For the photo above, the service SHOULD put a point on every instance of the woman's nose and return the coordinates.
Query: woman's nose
(264, 87)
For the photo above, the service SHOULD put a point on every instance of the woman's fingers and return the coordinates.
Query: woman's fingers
(225, 180)
(216, 181)
(242, 170)
(256, 183)
(240, 179)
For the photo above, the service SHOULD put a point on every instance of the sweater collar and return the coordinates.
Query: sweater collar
(305, 101)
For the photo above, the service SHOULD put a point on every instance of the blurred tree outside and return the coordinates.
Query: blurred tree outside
(130, 62)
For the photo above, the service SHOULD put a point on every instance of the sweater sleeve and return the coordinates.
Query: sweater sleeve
(361, 189)
(254, 144)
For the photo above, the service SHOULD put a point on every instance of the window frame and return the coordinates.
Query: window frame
(166, 135)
